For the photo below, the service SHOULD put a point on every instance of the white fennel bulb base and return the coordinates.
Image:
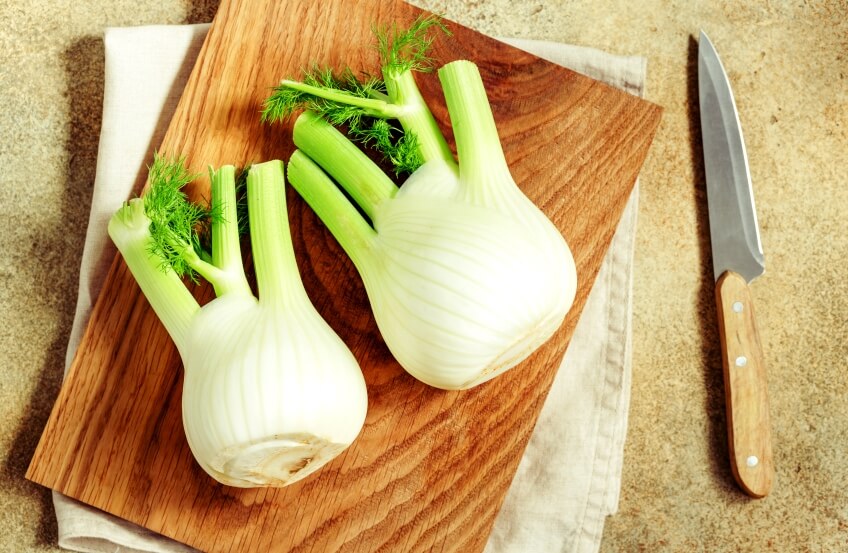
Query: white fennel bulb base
(460, 292)
(273, 462)
(271, 394)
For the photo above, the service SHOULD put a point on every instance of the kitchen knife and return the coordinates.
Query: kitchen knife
(737, 260)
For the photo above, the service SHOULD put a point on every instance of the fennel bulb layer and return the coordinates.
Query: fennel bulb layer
(270, 395)
(461, 293)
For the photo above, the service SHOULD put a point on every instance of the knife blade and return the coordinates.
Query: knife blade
(737, 260)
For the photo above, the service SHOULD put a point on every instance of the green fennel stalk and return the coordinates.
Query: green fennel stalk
(270, 392)
(160, 235)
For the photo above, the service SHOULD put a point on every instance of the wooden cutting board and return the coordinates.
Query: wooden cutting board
(431, 468)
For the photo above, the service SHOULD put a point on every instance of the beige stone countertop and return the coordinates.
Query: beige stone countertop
(788, 63)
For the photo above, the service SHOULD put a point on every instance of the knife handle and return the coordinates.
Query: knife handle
(746, 394)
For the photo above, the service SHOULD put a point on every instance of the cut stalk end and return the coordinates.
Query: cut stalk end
(275, 462)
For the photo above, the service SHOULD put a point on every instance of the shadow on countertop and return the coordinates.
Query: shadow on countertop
(84, 66)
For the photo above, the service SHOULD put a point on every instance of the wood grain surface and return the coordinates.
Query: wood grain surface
(745, 387)
(431, 468)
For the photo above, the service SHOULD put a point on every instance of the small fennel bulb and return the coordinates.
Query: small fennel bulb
(270, 393)
(465, 275)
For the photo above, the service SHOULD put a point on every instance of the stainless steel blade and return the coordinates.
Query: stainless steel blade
(734, 232)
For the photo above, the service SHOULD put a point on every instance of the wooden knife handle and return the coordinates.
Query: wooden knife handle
(746, 394)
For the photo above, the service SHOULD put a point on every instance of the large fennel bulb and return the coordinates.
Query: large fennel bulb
(465, 275)
(270, 393)
(461, 293)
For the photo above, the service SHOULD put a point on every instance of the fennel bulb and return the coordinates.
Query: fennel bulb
(270, 393)
(465, 275)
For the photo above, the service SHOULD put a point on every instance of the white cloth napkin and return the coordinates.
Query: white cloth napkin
(570, 476)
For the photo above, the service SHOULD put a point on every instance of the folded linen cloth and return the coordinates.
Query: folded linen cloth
(569, 478)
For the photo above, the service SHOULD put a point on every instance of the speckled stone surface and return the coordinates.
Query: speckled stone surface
(788, 63)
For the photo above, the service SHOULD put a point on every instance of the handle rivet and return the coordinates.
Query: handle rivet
(737, 307)
(741, 361)
(752, 461)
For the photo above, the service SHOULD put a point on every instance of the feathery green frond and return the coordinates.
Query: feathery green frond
(406, 49)
(176, 224)
(349, 96)
(361, 122)
(241, 201)
(362, 104)
(403, 152)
